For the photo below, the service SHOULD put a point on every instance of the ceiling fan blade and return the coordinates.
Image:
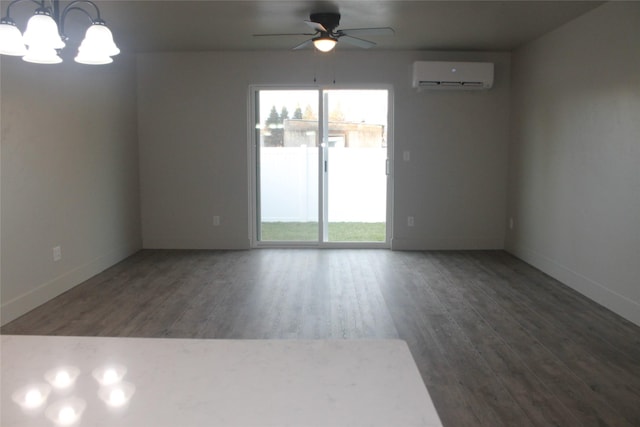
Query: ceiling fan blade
(303, 44)
(316, 26)
(381, 31)
(366, 44)
(284, 34)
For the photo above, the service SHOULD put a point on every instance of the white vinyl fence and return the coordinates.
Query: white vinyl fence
(289, 184)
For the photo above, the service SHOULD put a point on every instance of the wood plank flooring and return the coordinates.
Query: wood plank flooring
(498, 343)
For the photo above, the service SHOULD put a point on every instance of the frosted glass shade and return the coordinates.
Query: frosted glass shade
(42, 55)
(98, 41)
(92, 58)
(324, 44)
(42, 32)
(11, 42)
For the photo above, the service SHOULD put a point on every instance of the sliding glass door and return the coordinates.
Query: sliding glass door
(321, 167)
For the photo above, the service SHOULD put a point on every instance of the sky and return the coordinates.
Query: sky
(367, 106)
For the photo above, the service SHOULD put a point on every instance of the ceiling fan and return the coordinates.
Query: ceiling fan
(326, 36)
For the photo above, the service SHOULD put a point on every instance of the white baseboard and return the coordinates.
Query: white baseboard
(189, 244)
(598, 292)
(449, 243)
(26, 302)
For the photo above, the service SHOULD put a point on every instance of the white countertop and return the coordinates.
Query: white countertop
(188, 382)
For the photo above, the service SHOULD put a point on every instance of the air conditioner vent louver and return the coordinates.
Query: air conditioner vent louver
(453, 75)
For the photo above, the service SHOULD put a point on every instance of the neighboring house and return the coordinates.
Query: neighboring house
(301, 133)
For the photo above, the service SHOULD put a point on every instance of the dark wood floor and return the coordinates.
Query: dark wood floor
(498, 343)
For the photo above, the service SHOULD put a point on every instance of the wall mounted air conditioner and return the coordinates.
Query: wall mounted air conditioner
(452, 75)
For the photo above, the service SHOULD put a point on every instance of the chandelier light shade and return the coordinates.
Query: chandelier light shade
(98, 46)
(42, 55)
(90, 57)
(11, 39)
(324, 43)
(99, 37)
(44, 36)
(42, 31)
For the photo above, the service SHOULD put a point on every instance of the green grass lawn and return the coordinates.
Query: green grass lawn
(338, 231)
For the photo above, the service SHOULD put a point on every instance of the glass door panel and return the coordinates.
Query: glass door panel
(356, 155)
(288, 159)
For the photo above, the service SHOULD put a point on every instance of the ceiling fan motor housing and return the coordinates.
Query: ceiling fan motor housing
(330, 21)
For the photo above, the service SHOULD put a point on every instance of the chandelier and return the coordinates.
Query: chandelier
(44, 36)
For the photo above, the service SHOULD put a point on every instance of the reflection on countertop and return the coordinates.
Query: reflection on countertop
(134, 382)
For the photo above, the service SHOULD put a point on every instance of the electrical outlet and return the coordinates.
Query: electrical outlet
(216, 220)
(410, 221)
(510, 223)
(57, 253)
(406, 155)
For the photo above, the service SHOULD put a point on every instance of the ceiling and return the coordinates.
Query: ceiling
(170, 25)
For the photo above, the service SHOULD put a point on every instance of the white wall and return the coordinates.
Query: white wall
(575, 155)
(69, 176)
(192, 111)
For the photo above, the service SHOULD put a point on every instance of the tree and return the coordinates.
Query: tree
(336, 114)
(274, 137)
(284, 114)
(273, 118)
(308, 113)
(297, 114)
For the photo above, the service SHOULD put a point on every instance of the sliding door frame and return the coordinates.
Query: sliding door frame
(254, 165)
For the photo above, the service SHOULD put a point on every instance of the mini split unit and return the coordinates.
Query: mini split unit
(452, 75)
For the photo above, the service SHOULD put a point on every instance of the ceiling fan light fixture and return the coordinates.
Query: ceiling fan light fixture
(325, 43)
(326, 36)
